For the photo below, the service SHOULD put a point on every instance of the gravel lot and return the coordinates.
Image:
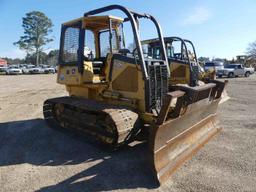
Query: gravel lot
(34, 157)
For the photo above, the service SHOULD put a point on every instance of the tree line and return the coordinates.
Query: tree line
(37, 28)
(50, 59)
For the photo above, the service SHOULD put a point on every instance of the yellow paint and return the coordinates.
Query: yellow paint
(179, 78)
(98, 86)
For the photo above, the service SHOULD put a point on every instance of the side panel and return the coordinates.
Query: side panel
(68, 75)
(180, 73)
(240, 71)
(126, 80)
(122, 85)
(87, 75)
(130, 74)
(78, 91)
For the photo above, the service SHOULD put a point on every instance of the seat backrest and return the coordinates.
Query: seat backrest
(97, 66)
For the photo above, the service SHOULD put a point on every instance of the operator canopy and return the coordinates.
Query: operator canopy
(97, 23)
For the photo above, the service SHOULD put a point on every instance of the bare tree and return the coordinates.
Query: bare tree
(251, 50)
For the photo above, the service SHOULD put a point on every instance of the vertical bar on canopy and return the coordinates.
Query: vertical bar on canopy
(110, 35)
(134, 28)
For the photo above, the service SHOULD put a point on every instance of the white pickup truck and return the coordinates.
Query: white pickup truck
(235, 70)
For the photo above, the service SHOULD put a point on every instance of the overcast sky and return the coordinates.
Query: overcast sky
(217, 28)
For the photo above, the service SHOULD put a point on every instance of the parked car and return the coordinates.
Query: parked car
(48, 69)
(22, 66)
(3, 70)
(26, 69)
(235, 70)
(32, 69)
(213, 66)
(36, 70)
(14, 70)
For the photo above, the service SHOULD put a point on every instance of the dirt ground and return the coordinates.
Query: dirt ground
(34, 157)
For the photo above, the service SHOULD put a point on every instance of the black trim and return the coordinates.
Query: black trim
(99, 47)
(110, 35)
(62, 35)
(79, 61)
(147, 96)
(157, 87)
(123, 34)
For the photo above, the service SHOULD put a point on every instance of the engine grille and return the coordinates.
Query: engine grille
(158, 85)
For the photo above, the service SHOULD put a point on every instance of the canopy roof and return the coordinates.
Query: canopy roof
(156, 40)
(96, 23)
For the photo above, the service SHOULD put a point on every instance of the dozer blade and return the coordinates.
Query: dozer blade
(224, 97)
(176, 139)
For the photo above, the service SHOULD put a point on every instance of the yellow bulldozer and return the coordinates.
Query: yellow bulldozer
(117, 96)
(182, 58)
(185, 69)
